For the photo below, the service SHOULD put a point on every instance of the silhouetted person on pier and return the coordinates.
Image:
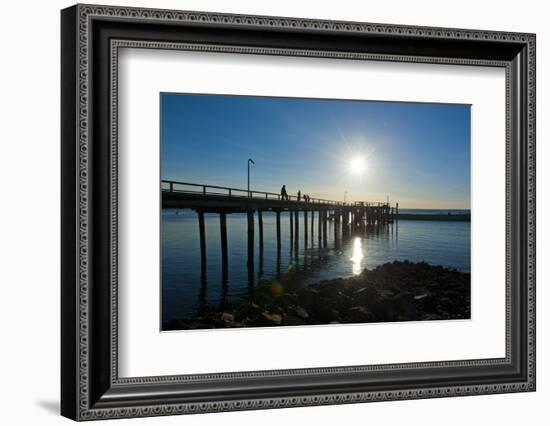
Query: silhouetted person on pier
(299, 195)
(284, 195)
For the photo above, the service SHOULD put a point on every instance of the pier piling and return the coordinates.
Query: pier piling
(202, 238)
(320, 226)
(305, 227)
(261, 229)
(250, 220)
(296, 228)
(223, 237)
(312, 227)
(291, 226)
(325, 228)
(335, 226)
(278, 218)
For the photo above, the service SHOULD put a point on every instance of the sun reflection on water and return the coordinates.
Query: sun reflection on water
(357, 256)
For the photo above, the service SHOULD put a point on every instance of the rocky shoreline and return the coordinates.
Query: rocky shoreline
(396, 291)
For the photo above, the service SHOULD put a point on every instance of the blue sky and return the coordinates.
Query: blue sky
(418, 154)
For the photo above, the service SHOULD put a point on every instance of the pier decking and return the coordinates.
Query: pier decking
(225, 200)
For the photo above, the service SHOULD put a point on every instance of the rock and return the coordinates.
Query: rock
(199, 325)
(342, 295)
(275, 318)
(361, 309)
(291, 319)
(446, 303)
(359, 314)
(301, 312)
(431, 317)
(402, 318)
(385, 292)
(227, 317)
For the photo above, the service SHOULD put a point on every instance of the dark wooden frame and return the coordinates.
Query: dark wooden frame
(90, 386)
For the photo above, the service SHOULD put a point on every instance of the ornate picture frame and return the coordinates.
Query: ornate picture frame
(91, 37)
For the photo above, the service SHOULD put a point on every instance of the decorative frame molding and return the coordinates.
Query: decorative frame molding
(91, 37)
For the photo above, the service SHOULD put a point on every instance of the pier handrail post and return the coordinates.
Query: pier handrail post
(171, 186)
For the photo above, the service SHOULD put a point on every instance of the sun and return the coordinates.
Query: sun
(358, 165)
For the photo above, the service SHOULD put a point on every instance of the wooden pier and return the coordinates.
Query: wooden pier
(224, 200)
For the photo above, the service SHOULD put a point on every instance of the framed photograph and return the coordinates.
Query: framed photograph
(263, 212)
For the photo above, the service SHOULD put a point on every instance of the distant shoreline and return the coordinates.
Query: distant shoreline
(435, 217)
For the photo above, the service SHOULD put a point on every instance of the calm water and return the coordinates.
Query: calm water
(185, 294)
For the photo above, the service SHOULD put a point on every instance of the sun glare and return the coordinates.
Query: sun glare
(357, 256)
(358, 165)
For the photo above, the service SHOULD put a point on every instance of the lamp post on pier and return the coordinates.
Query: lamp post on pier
(250, 160)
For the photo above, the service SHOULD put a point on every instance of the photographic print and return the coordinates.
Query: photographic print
(326, 188)
(292, 211)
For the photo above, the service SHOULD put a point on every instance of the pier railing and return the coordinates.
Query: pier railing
(215, 190)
